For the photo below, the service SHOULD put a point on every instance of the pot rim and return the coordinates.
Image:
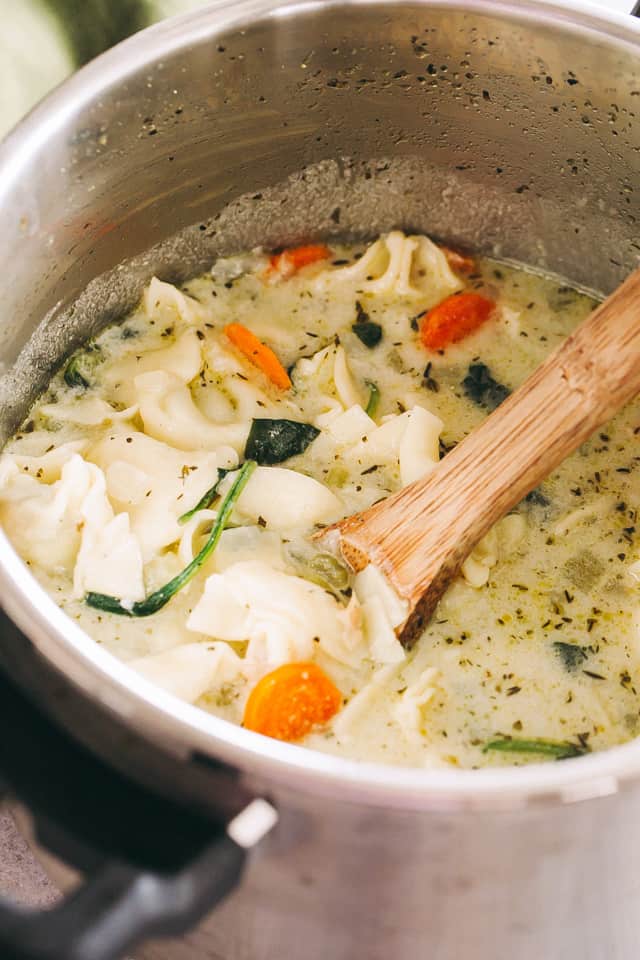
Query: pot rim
(184, 729)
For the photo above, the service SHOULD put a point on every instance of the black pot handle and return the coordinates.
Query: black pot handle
(152, 867)
(636, 10)
(120, 906)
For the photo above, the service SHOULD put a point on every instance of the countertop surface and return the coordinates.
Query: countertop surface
(21, 878)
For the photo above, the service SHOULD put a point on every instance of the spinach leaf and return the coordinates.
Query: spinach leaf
(556, 749)
(272, 441)
(159, 598)
(571, 654)
(482, 388)
(366, 330)
(538, 498)
(78, 371)
(73, 376)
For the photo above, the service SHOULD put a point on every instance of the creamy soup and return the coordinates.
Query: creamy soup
(165, 489)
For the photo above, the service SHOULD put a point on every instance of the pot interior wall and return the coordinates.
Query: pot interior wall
(494, 129)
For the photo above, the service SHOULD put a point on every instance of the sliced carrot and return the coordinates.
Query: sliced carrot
(259, 354)
(454, 319)
(290, 261)
(288, 702)
(459, 261)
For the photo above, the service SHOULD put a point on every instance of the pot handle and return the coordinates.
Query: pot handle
(636, 10)
(152, 867)
(122, 904)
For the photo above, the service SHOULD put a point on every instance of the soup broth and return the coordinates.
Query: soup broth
(344, 373)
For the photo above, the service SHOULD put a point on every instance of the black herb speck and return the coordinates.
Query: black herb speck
(445, 448)
(361, 314)
(428, 381)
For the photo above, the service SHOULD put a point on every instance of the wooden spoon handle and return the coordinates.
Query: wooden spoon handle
(421, 535)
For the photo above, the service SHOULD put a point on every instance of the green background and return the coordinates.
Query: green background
(43, 41)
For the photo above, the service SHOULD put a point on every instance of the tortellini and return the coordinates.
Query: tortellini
(169, 413)
(282, 499)
(410, 711)
(232, 396)
(43, 520)
(329, 372)
(401, 266)
(501, 541)
(281, 616)
(165, 303)
(155, 483)
(69, 526)
(46, 467)
(181, 359)
(191, 669)
(346, 426)
(410, 438)
(87, 411)
(383, 610)
(109, 560)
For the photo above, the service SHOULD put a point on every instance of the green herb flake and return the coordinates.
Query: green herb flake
(571, 654)
(159, 598)
(374, 399)
(273, 441)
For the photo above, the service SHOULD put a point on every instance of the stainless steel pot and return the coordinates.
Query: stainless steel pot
(509, 126)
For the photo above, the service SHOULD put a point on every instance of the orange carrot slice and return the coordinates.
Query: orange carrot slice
(259, 354)
(454, 319)
(288, 702)
(459, 261)
(290, 261)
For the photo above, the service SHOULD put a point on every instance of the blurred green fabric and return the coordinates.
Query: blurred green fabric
(43, 41)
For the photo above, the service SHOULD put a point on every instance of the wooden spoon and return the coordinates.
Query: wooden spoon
(420, 536)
